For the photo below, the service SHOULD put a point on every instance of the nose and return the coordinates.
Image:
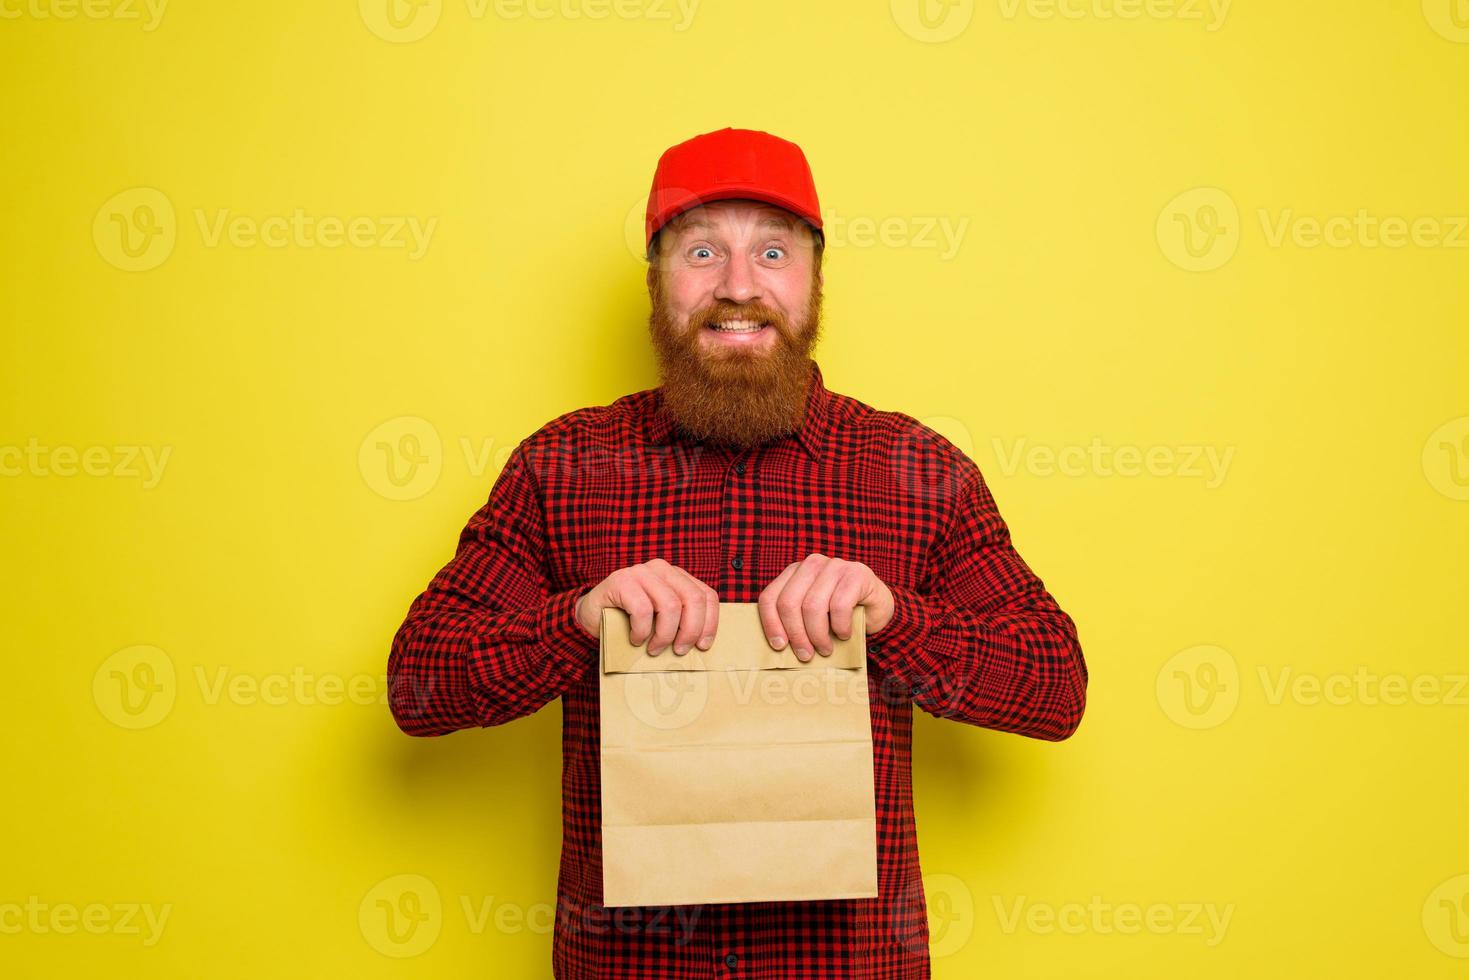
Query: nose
(737, 284)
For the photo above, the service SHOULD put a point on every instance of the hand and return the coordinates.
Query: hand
(661, 599)
(815, 597)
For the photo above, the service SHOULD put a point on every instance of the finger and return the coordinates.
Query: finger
(846, 597)
(816, 605)
(634, 600)
(792, 616)
(666, 609)
(691, 618)
(775, 631)
(711, 617)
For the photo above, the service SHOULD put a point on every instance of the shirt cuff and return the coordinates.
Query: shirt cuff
(902, 638)
(560, 631)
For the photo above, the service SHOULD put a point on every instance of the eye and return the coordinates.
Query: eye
(701, 252)
(774, 253)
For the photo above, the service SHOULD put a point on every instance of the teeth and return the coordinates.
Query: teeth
(737, 326)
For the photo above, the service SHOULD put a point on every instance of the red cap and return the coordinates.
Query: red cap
(731, 163)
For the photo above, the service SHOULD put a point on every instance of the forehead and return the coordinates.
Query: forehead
(717, 215)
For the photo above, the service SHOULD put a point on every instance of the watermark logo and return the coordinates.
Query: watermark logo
(671, 699)
(402, 458)
(951, 915)
(1210, 13)
(1199, 230)
(406, 21)
(149, 13)
(138, 687)
(1208, 921)
(1363, 687)
(1363, 230)
(135, 687)
(940, 234)
(1199, 687)
(1209, 464)
(1446, 917)
(144, 463)
(40, 918)
(923, 467)
(135, 230)
(1446, 459)
(1450, 18)
(932, 21)
(401, 916)
(401, 21)
(667, 700)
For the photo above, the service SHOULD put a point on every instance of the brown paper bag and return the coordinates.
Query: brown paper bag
(737, 773)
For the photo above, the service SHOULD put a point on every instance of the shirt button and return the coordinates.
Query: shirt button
(874, 648)
(740, 468)
(737, 563)
(731, 961)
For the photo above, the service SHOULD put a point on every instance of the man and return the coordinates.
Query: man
(741, 478)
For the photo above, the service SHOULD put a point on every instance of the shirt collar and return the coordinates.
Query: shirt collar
(813, 433)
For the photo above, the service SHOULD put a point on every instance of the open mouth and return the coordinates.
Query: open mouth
(739, 326)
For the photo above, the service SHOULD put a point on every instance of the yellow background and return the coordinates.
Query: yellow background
(271, 817)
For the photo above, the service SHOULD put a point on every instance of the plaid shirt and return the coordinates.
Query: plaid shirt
(974, 637)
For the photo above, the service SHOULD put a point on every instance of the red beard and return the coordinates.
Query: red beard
(734, 396)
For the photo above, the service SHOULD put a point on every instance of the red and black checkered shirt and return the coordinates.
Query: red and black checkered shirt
(974, 637)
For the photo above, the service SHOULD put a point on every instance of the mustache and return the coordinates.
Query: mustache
(756, 312)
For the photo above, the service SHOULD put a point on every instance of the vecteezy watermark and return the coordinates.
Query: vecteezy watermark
(935, 21)
(1200, 229)
(137, 229)
(666, 700)
(918, 232)
(404, 915)
(1446, 916)
(401, 916)
(1363, 230)
(1449, 18)
(1098, 459)
(1200, 687)
(124, 462)
(1363, 686)
(940, 233)
(951, 914)
(148, 13)
(137, 687)
(297, 687)
(406, 21)
(1446, 459)
(40, 918)
(403, 458)
(932, 21)
(1210, 13)
(1208, 921)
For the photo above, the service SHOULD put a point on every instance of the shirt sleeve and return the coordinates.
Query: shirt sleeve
(981, 641)
(487, 641)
